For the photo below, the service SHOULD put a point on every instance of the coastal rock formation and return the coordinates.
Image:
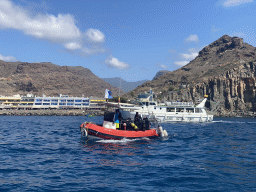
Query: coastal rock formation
(51, 80)
(225, 70)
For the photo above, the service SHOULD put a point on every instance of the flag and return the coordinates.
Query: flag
(108, 94)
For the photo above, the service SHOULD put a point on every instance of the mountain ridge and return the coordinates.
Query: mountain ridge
(50, 79)
(225, 70)
(125, 85)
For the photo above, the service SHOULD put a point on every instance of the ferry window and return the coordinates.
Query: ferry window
(152, 103)
(179, 110)
(170, 109)
(190, 110)
(46, 103)
(146, 103)
(54, 104)
(69, 103)
(78, 100)
(38, 103)
(198, 110)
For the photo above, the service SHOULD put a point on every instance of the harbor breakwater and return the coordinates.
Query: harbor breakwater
(55, 112)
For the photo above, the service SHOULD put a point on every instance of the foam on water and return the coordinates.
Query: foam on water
(124, 140)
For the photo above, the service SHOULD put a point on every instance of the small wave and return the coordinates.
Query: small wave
(124, 140)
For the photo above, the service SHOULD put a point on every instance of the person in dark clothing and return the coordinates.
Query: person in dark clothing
(137, 120)
(137, 116)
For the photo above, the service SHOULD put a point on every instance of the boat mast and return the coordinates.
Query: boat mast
(119, 91)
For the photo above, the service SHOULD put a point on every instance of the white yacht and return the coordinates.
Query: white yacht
(173, 111)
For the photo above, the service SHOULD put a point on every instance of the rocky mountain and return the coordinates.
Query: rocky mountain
(160, 73)
(225, 70)
(125, 86)
(51, 80)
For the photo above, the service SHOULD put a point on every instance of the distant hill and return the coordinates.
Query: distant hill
(160, 73)
(225, 70)
(125, 86)
(51, 80)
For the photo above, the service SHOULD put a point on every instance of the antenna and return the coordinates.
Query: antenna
(119, 91)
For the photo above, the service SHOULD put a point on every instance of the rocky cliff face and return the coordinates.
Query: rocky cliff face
(225, 70)
(49, 79)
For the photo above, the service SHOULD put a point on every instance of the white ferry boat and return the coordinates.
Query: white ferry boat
(179, 113)
(173, 111)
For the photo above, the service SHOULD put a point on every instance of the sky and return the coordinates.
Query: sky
(131, 39)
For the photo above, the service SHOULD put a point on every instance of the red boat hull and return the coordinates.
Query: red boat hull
(107, 133)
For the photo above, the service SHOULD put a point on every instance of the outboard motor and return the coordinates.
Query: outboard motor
(162, 133)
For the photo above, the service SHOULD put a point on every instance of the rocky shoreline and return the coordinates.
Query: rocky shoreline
(77, 112)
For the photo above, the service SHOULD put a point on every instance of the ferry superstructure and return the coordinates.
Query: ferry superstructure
(173, 111)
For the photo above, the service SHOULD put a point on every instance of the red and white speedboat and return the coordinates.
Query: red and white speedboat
(107, 130)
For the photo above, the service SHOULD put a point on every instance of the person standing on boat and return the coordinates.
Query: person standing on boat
(137, 120)
(116, 118)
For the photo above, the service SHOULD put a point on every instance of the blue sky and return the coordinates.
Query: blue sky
(131, 39)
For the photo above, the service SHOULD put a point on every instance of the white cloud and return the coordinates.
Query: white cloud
(161, 66)
(115, 63)
(8, 58)
(230, 3)
(181, 63)
(92, 50)
(192, 38)
(187, 57)
(73, 46)
(58, 29)
(164, 66)
(95, 35)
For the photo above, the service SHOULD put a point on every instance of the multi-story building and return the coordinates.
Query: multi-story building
(61, 102)
(27, 102)
(10, 101)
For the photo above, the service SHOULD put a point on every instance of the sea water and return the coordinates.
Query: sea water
(48, 154)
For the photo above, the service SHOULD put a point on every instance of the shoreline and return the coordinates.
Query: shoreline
(81, 112)
(51, 112)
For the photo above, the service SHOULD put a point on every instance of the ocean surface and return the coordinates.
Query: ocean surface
(48, 154)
